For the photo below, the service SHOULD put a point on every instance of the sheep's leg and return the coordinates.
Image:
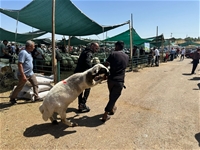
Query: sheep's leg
(53, 118)
(64, 120)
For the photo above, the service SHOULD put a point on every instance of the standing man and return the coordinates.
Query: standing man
(25, 67)
(4, 53)
(84, 63)
(118, 61)
(157, 55)
(39, 54)
(195, 57)
(182, 54)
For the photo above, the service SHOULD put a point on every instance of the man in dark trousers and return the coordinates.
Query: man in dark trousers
(195, 57)
(84, 63)
(118, 61)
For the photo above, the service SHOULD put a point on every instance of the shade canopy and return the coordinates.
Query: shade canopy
(69, 20)
(188, 43)
(21, 38)
(74, 41)
(125, 37)
(157, 40)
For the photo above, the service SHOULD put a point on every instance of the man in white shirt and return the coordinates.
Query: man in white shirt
(182, 54)
(157, 55)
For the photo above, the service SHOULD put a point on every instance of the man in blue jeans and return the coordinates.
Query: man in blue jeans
(118, 61)
(25, 67)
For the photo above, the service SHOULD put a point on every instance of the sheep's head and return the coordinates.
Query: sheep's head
(97, 74)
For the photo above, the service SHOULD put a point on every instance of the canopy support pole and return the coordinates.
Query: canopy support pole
(54, 62)
(162, 48)
(131, 43)
(69, 44)
(16, 27)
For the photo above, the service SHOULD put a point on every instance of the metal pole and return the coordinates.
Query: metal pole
(54, 62)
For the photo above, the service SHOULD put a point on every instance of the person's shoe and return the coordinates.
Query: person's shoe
(113, 111)
(13, 101)
(105, 117)
(83, 108)
(37, 99)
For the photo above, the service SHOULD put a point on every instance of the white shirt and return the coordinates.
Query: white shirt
(183, 52)
(157, 52)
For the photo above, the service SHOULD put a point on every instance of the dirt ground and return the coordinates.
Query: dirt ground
(159, 109)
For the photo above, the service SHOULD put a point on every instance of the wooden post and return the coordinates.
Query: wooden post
(69, 44)
(54, 62)
(131, 43)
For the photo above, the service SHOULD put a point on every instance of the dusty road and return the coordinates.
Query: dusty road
(159, 109)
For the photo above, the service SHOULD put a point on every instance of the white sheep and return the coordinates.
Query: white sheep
(66, 91)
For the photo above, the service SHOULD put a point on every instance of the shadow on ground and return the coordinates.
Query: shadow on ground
(195, 78)
(47, 128)
(197, 137)
(86, 121)
(58, 130)
(5, 105)
(187, 74)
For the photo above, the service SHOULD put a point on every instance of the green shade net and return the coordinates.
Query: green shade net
(45, 41)
(74, 41)
(21, 38)
(189, 43)
(125, 37)
(157, 40)
(69, 20)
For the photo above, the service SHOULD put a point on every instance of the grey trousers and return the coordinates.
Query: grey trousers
(32, 79)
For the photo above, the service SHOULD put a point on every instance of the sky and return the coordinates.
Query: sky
(179, 19)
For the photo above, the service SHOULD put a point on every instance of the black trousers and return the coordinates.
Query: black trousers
(157, 60)
(182, 57)
(82, 98)
(115, 89)
(195, 64)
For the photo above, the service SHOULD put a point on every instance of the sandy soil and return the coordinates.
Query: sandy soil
(159, 109)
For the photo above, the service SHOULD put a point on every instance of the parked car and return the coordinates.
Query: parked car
(189, 53)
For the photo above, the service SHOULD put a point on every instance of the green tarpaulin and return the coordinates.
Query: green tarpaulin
(188, 43)
(45, 41)
(21, 38)
(69, 20)
(157, 40)
(74, 41)
(125, 37)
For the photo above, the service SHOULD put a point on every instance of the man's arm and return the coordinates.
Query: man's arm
(21, 70)
(106, 64)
